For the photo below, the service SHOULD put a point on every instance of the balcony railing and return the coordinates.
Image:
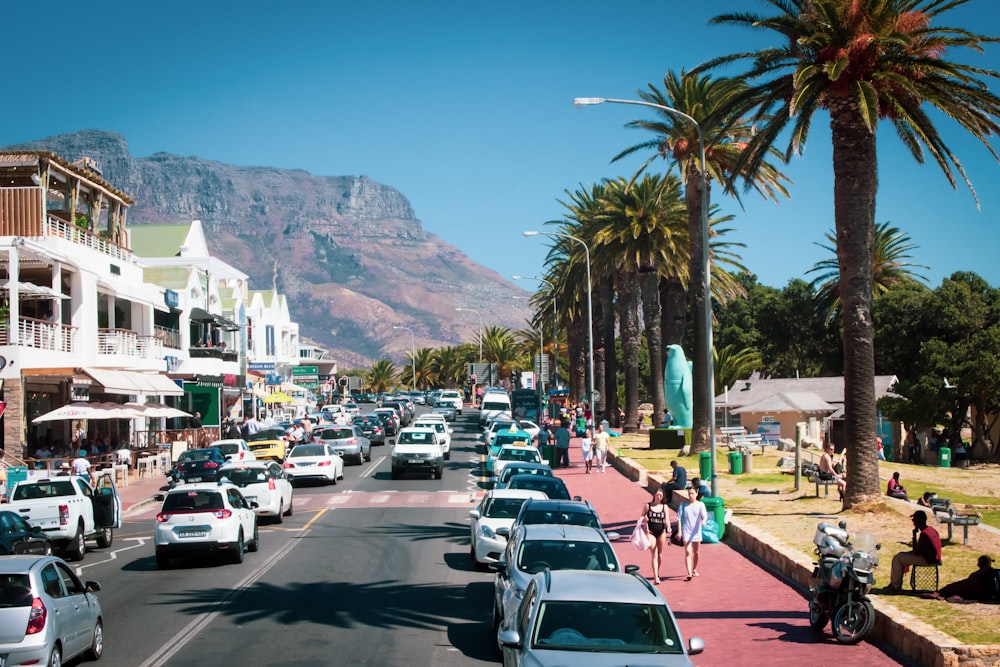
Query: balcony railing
(128, 343)
(58, 227)
(40, 334)
(168, 337)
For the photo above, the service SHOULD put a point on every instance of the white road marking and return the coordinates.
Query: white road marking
(113, 555)
(372, 467)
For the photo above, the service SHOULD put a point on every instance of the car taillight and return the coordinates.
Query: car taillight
(287, 465)
(211, 464)
(36, 617)
(63, 515)
(163, 517)
(352, 441)
(270, 485)
(324, 463)
(222, 514)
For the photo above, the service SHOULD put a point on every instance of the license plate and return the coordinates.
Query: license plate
(415, 461)
(194, 479)
(192, 533)
(306, 465)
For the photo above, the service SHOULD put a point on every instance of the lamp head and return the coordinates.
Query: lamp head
(587, 101)
(517, 277)
(530, 233)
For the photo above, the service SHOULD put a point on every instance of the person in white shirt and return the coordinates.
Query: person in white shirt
(81, 467)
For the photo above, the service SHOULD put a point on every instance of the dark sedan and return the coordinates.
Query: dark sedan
(371, 427)
(390, 424)
(199, 465)
(17, 537)
(553, 487)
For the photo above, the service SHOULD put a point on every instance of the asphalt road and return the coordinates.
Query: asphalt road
(370, 571)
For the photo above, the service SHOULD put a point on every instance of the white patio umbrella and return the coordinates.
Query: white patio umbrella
(79, 410)
(161, 410)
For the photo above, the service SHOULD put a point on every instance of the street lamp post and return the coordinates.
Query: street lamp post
(705, 256)
(590, 316)
(555, 339)
(413, 354)
(479, 315)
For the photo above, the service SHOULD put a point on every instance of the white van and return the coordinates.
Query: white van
(492, 404)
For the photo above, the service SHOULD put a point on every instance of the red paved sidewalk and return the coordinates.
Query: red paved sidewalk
(140, 492)
(746, 615)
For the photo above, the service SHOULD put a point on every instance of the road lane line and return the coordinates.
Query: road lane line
(191, 630)
(113, 555)
(372, 467)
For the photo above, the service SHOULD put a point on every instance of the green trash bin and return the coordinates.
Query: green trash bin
(717, 508)
(549, 454)
(944, 457)
(705, 466)
(735, 463)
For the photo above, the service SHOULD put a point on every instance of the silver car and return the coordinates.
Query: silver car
(47, 615)
(348, 441)
(594, 619)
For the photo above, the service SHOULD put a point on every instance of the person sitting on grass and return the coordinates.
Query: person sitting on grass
(925, 500)
(895, 489)
(980, 586)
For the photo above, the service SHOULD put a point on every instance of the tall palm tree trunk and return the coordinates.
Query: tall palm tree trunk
(631, 337)
(649, 284)
(606, 297)
(855, 172)
(673, 310)
(576, 337)
(601, 351)
(700, 436)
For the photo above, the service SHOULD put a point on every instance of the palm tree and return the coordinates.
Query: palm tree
(424, 363)
(889, 268)
(725, 135)
(861, 61)
(449, 365)
(381, 376)
(500, 347)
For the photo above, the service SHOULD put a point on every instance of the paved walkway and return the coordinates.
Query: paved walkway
(745, 614)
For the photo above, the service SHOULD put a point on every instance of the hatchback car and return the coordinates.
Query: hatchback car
(269, 443)
(315, 461)
(390, 421)
(600, 619)
(199, 465)
(205, 518)
(17, 537)
(235, 449)
(264, 483)
(370, 426)
(348, 441)
(496, 512)
(47, 615)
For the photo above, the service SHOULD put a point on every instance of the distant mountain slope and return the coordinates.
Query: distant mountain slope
(348, 251)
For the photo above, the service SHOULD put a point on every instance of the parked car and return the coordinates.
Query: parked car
(604, 619)
(515, 453)
(17, 537)
(205, 518)
(235, 449)
(264, 483)
(521, 467)
(314, 461)
(199, 465)
(560, 512)
(495, 512)
(269, 443)
(348, 441)
(371, 426)
(47, 615)
(553, 487)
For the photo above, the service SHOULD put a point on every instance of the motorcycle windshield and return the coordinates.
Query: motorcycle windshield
(863, 542)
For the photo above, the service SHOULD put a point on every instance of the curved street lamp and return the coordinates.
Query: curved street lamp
(590, 316)
(705, 255)
(413, 353)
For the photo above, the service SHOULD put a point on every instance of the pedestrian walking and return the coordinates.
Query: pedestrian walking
(587, 450)
(601, 443)
(562, 437)
(692, 516)
(655, 515)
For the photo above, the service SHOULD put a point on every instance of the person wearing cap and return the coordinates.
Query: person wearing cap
(926, 551)
(978, 586)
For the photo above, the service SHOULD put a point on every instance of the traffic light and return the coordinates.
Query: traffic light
(472, 379)
(343, 381)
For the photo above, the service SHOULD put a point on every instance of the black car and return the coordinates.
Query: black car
(390, 425)
(566, 512)
(17, 537)
(553, 487)
(405, 416)
(372, 428)
(199, 465)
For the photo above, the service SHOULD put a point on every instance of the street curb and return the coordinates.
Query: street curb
(138, 506)
(904, 634)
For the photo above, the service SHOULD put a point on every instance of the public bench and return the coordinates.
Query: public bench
(814, 478)
(747, 442)
(730, 432)
(946, 513)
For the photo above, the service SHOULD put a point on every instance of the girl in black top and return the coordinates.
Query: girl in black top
(655, 515)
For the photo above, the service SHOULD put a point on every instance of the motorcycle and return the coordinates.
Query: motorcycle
(843, 577)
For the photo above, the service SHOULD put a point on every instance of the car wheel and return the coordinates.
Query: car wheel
(447, 455)
(280, 516)
(97, 642)
(288, 512)
(255, 542)
(162, 562)
(368, 457)
(438, 472)
(105, 539)
(238, 554)
(55, 658)
(47, 550)
(78, 545)
(361, 458)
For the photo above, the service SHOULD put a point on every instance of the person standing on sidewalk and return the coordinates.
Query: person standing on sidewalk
(655, 515)
(601, 443)
(587, 449)
(692, 515)
(562, 437)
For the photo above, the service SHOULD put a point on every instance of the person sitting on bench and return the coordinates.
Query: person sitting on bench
(677, 482)
(926, 551)
(828, 471)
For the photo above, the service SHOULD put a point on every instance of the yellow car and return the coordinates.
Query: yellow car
(269, 443)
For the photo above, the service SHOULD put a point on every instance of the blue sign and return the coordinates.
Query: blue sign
(261, 366)
(170, 298)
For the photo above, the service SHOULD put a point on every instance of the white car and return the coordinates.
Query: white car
(530, 427)
(515, 453)
(451, 397)
(498, 509)
(264, 483)
(314, 462)
(235, 449)
(205, 518)
(444, 433)
(503, 424)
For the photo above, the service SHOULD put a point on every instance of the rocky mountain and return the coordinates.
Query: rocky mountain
(349, 252)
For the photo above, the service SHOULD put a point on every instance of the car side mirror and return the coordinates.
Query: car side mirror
(578, 498)
(695, 645)
(254, 504)
(613, 535)
(509, 639)
(92, 586)
(631, 569)
(500, 567)
(545, 462)
(36, 530)
(503, 531)
(158, 497)
(474, 514)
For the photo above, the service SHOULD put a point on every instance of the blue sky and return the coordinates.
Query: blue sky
(464, 107)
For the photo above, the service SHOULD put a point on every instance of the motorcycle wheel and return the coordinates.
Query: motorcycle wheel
(852, 622)
(818, 618)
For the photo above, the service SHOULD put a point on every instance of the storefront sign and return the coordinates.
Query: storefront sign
(261, 366)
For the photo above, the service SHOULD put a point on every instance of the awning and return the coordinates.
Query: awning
(131, 382)
(202, 315)
(29, 290)
(226, 324)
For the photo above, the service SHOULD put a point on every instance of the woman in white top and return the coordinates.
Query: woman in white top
(587, 447)
(692, 516)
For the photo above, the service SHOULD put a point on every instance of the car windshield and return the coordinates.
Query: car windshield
(267, 434)
(502, 508)
(605, 627)
(437, 426)
(193, 501)
(553, 487)
(496, 405)
(199, 455)
(15, 590)
(415, 438)
(519, 454)
(562, 517)
(515, 469)
(337, 434)
(307, 450)
(243, 476)
(537, 555)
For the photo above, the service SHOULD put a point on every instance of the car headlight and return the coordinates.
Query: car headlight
(487, 532)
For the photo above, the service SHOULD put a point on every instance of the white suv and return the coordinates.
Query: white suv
(452, 397)
(437, 423)
(200, 518)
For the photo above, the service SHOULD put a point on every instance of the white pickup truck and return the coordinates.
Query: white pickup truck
(69, 511)
(417, 449)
